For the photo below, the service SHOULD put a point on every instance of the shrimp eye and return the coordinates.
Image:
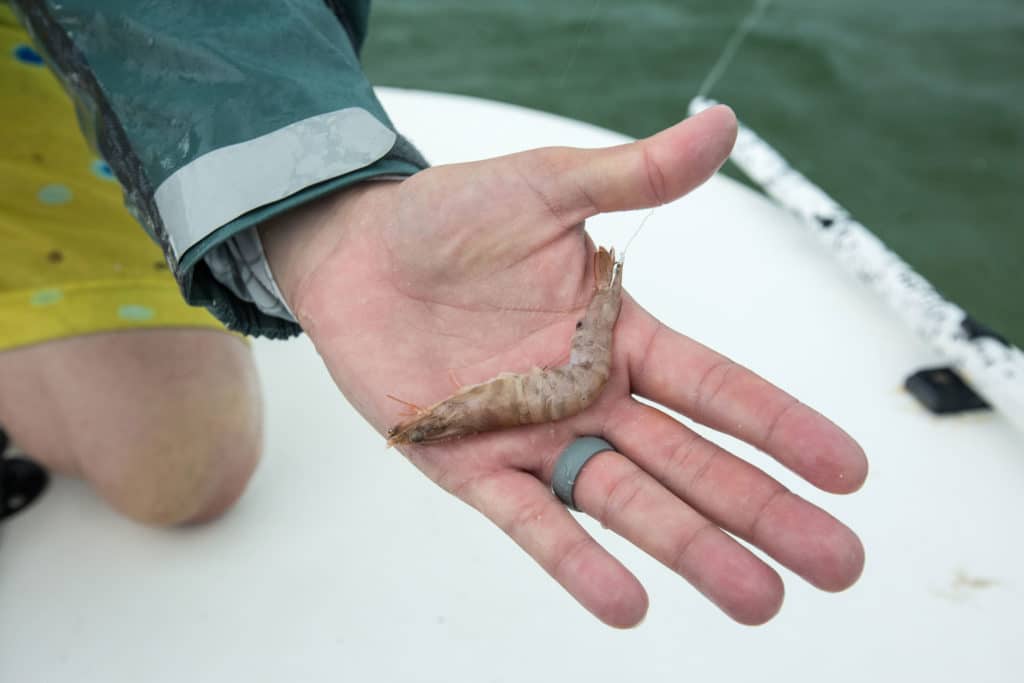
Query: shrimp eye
(579, 324)
(416, 436)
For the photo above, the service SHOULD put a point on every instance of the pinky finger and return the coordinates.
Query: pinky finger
(531, 515)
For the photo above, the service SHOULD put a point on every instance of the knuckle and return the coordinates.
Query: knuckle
(470, 489)
(680, 559)
(714, 378)
(566, 554)
(790, 405)
(655, 177)
(525, 517)
(692, 459)
(620, 497)
(680, 458)
(762, 512)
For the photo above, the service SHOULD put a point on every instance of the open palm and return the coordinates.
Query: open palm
(461, 272)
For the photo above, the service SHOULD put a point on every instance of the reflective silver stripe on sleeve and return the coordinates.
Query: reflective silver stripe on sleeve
(223, 184)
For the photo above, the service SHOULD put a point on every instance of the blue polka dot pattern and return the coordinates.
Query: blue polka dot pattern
(102, 169)
(26, 55)
(54, 194)
(46, 297)
(135, 312)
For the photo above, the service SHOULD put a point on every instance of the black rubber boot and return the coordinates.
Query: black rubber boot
(21, 481)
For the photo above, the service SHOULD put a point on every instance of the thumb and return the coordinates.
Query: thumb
(645, 173)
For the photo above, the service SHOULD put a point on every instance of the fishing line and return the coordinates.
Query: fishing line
(622, 257)
(743, 29)
(579, 42)
(565, 72)
(732, 46)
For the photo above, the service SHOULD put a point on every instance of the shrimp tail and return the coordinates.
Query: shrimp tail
(604, 267)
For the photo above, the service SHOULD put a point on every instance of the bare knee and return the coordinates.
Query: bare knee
(187, 459)
(166, 425)
(179, 475)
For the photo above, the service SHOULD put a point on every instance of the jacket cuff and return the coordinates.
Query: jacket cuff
(201, 288)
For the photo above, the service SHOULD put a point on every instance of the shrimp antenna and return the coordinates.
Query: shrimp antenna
(622, 256)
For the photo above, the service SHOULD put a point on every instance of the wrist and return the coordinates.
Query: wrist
(299, 241)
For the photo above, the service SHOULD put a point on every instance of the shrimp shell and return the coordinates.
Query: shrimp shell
(513, 400)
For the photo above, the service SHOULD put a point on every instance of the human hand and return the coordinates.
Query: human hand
(478, 268)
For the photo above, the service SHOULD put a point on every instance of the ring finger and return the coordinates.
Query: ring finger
(626, 499)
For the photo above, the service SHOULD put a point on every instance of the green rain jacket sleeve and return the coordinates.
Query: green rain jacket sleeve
(216, 116)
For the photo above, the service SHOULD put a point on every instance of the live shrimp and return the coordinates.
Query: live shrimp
(540, 395)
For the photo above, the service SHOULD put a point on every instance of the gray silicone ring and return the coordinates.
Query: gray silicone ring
(571, 462)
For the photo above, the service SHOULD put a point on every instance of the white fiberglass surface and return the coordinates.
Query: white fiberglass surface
(342, 562)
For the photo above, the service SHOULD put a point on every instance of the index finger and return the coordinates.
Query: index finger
(690, 378)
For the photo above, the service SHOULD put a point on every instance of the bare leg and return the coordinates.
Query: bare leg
(165, 424)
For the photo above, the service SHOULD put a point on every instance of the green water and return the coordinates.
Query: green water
(911, 114)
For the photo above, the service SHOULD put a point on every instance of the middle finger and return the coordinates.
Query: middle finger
(738, 496)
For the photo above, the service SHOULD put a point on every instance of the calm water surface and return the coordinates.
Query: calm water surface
(911, 114)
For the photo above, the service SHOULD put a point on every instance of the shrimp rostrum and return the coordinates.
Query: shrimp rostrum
(540, 395)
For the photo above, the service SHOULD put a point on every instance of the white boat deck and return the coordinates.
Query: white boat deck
(342, 562)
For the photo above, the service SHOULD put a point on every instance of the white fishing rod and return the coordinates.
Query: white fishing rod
(992, 366)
